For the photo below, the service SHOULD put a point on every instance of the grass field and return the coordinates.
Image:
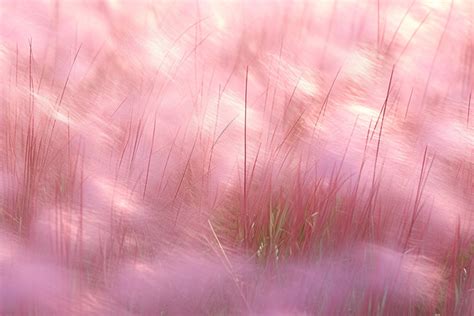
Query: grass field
(236, 157)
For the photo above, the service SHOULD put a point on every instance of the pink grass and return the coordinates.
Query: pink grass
(275, 158)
